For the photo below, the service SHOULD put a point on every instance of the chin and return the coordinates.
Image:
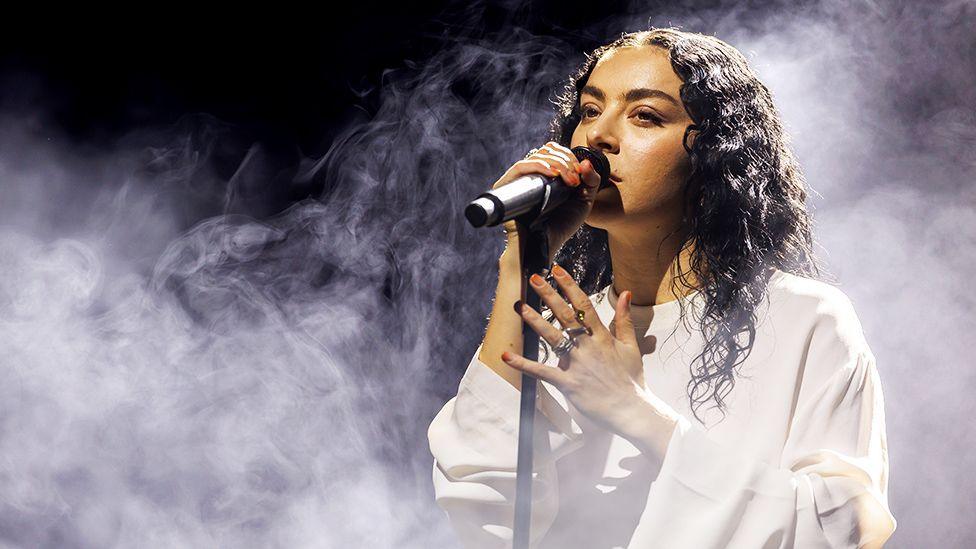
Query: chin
(606, 209)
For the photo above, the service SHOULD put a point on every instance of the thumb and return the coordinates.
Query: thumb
(624, 326)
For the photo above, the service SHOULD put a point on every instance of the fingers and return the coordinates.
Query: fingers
(548, 165)
(564, 313)
(535, 165)
(579, 299)
(556, 149)
(576, 296)
(580, 302)
(567, 158)
(541, 326)
(566, 170)
(624, 323)
(589, 175)
(553, 376)
(551, 160)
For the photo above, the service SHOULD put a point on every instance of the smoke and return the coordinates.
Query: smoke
(267, 380)
(249, 382)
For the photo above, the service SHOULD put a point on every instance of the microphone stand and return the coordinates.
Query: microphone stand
(534, 250)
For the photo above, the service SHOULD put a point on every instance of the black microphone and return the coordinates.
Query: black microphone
(533, 192)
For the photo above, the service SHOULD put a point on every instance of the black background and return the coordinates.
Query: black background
(290, 79)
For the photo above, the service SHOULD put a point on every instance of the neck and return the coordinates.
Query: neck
(645, 262)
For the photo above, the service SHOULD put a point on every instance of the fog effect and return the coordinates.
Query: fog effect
(269, 382)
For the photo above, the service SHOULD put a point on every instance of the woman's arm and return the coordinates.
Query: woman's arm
(504, 332)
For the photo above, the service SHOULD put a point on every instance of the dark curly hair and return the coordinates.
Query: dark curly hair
(744, 202)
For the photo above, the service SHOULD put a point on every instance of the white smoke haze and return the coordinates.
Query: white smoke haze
(268, 382)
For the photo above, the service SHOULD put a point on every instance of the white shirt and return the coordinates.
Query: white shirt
(799, 461)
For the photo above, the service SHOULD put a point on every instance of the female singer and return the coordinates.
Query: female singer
(692, 281)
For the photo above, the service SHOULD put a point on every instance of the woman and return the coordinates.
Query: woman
(696, 285)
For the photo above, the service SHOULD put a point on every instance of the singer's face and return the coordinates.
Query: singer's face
(631, 110)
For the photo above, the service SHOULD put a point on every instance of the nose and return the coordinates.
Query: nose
(601, 136)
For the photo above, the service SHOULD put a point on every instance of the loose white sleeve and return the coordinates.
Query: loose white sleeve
(474, 441)
(829, 488)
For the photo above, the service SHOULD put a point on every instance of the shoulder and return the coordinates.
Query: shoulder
(822, 317)
(808, 295)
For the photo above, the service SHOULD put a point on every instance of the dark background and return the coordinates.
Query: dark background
(289, 79)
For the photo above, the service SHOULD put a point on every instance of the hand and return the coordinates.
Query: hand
(603, 376)
(551, 160)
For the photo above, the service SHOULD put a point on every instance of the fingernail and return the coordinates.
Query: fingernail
(579, 168)
(506, 356)
(518, 306)
(536, 280)
(559, 271)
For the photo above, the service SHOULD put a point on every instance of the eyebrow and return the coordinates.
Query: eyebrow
(632, 95)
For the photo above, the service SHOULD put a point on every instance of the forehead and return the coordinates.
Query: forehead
(635, 67)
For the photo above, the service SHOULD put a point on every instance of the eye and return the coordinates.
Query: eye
(587, 110)
(648, 116)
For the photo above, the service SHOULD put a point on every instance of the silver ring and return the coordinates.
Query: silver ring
(578, 331)
(564, 346)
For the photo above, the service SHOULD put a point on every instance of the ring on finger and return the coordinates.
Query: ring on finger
(578, 331)
(584, 329)
(564, 346)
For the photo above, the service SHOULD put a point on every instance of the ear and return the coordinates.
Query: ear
(691, 132)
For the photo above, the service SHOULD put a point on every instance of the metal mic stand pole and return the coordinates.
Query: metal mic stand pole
(489, 209)
(535, 259)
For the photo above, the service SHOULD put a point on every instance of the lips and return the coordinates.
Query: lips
(612, 181)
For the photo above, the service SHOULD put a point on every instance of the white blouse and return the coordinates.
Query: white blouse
(799, 461)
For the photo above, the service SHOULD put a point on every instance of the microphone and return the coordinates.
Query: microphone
(533, 192)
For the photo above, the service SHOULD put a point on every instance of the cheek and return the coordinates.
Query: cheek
(661, 167)
(661, 159)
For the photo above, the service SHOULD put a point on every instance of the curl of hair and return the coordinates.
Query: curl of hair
(744, 201)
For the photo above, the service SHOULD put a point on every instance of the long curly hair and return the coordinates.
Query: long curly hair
(744, 202)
